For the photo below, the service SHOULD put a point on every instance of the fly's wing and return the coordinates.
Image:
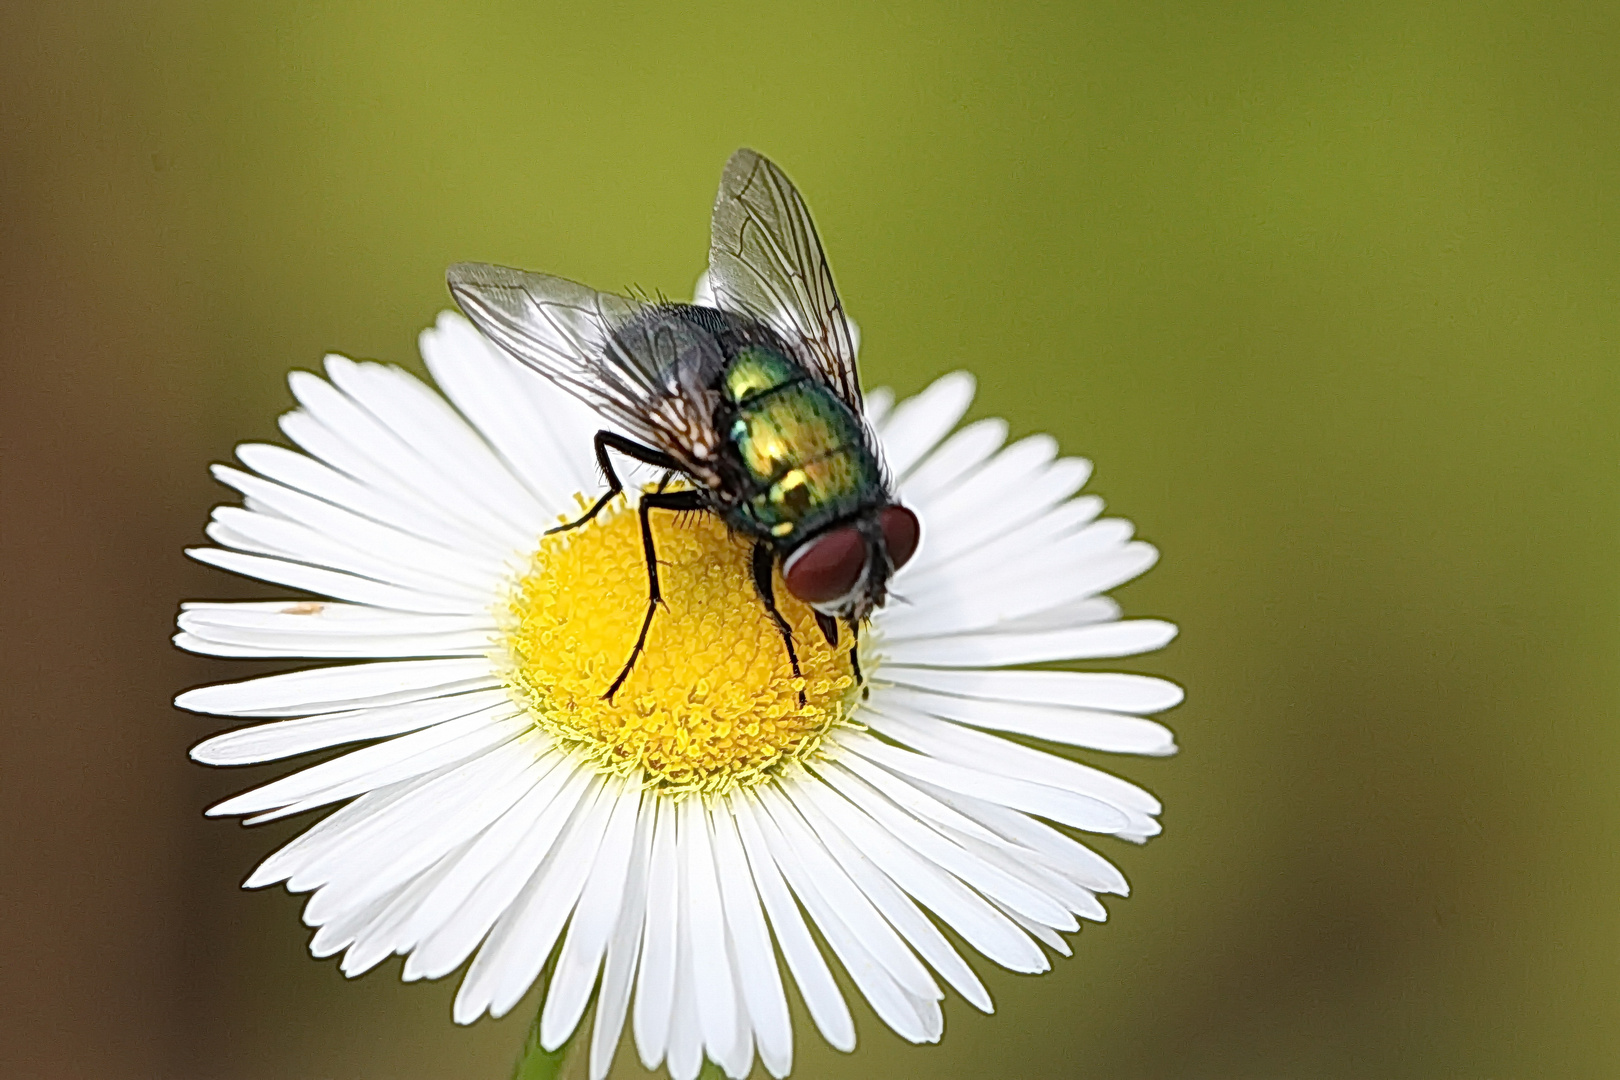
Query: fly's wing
(765, 260)
(610, 351)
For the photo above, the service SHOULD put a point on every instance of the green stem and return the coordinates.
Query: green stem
(538, 1063)
(567, 1061)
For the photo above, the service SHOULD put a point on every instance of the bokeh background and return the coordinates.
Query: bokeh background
(1330, 292)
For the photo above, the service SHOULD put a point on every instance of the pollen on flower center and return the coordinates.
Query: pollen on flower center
(712, 702)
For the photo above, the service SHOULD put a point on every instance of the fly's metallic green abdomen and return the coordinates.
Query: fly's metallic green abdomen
(802, 449)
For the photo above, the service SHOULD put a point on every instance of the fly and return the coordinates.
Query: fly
(752, 396)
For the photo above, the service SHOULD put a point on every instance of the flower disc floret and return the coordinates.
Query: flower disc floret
(712, 702)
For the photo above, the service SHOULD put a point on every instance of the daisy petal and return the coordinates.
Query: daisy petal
(918, 423)
(1080, 643)
(655, 986)
(821, 995)
(895, 907)
(758, 977)
(623, 950)
(331, 688)
(594, 919)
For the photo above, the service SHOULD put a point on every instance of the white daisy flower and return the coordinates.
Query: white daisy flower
(654, 848)
(649, 844)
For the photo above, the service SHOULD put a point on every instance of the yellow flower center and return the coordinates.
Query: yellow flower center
(712, 702)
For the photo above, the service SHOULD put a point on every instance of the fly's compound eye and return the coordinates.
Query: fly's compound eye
(826, 568)
(901, 531)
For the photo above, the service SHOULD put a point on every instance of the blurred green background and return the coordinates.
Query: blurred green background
(1329, 293)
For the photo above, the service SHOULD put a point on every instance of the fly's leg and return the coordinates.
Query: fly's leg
(764, 563)
(855, 658)
(829, 628)
(663, 500)
(609, 440)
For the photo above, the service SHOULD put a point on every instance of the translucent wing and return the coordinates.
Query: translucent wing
(765, 260)
(644, 373)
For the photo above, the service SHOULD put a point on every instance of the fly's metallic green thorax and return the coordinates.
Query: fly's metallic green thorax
(803, 453)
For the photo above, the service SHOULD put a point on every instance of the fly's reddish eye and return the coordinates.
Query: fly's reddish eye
(901, 531)
(826, 568)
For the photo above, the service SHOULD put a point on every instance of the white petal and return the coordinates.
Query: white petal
(878, 404)
(706, 928)
(623, 950)
(1003, 481)
(594, 919)
(1072, 858)
(1066, 807)
(1090, 728)
(804, 959)
(329, 619)
(952, 459)
(286, 738)
(539, 429)
(703, 291)
(1035, 869)
(947, 854)
(329, 831)
(423, 418)
(964, 746)
(921, 421)
(871, 976)
(338, 934)
(517, 948)
(805, 855)
(340, 586)
(383, 763)
(981, 606)
(894, 905)
(685, 1036)
(979, 923)
(437, 818)
(283, 647)
(1093, 609)
(1106, 691)
(382, 937)
(1014, 558)
(492, 871)
(1080, 643)
(1048, 936)
(655, 984)
(330, 688)
(453, 562)
(386, 503)
(994, 508)
(906, 795)
(398, 459)
(947, 558)
(758, 979)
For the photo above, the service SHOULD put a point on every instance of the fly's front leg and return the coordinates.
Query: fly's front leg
(764, 563)
(608, 440)
(661, 500)
(829, 628)
(855, 658)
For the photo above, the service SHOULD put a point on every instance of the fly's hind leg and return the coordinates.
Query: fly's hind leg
(764, 563)
(660, 500)
(608, 440)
